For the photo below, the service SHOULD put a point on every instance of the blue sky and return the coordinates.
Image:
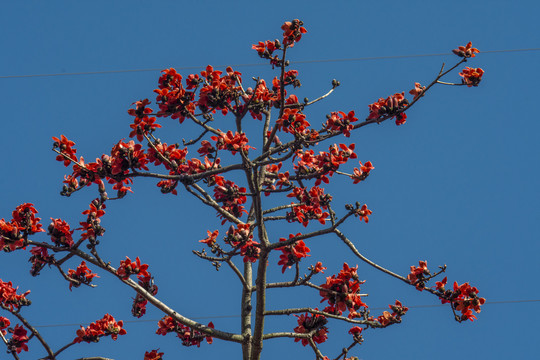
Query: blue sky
(455, 185)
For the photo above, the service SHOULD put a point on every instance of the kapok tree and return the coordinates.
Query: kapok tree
(290, 167)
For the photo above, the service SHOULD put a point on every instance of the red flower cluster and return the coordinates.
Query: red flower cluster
(319, 166)
(242, 238)
(173, 100)
(343, 292)
(266, 49)
(10, 237)
(9, 297)
(219, 91)
(392, 106)
(292, 32)
(113, 168)
(250, 251)
(172, 153)
(82, 275)
(142, 123)
(24, 223)
(314, 324)
(65, 146)
(153, 355)
(291, 254)
(18, 341)
(340, 122)
(4, 324)
(362, 173)
(263, 98)
(271, 174)
(387, 318)
(466, 51)
(128, 268)
(293, 121)
(139, 302)
(92, 226)
(232, 198)
(125, 156)
(61, 234)
(233, 143)
(39, 258)
(107, 326)
(188, 335)
(311, 205)
(362, 212)
(356, 332)
(463, 298)
(418, 274)
(471, 76)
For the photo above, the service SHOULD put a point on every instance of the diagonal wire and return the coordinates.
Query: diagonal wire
(313, 61)
(237, 316)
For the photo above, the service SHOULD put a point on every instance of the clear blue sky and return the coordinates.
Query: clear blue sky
(456, 185)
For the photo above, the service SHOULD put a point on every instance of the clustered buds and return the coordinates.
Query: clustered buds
(188, 335)
(107, 326)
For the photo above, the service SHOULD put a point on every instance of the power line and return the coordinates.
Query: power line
(237, 316)
(313, 61)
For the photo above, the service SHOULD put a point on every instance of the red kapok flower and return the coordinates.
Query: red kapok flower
(82, 275)
(308, 323)
(153, 355)
(18, 340)
(466, 51)
(292, 32)
(292, 254)
(61, 234)
(471, 76)
(127, 268)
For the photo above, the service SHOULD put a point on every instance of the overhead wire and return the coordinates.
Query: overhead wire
(312, 61)
(237, 316)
